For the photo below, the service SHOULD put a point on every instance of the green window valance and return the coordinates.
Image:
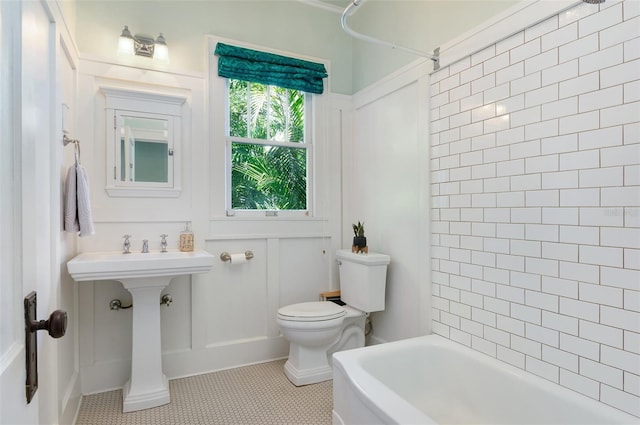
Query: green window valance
(268, 68)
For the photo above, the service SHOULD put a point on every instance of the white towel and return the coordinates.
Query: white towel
(77, 204)
(84, 202)
(70, 201)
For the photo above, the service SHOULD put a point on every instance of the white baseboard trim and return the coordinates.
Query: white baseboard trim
(108, 376)
(374, 340)
(71, 401)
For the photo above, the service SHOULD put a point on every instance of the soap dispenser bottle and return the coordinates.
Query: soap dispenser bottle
(186, 238)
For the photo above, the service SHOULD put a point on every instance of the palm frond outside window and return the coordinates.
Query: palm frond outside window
(269, 154)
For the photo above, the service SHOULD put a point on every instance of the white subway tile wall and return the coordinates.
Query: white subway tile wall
(536, 207)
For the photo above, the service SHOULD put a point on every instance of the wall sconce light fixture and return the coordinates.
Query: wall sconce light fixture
(130, 45)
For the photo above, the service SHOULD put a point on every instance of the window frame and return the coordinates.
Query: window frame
(306, 144)
(216, 151)
(219, 153)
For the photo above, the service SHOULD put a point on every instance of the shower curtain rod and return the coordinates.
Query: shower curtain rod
(435, 56)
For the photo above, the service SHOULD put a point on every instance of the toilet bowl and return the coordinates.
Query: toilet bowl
(316, 330)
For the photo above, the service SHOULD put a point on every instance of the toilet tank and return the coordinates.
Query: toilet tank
(363, 278)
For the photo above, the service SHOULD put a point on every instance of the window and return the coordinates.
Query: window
(268, 147)
(264, 110)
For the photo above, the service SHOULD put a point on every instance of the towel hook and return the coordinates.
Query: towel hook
(66, 140)
(76, 146)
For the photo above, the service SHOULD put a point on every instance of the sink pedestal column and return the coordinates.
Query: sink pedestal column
(148, 386)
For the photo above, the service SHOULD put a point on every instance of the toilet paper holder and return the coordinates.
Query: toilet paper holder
(225, 256)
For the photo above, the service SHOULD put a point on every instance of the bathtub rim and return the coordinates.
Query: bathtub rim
(358, 378)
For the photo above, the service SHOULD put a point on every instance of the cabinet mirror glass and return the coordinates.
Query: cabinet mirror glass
(145, 149)
(143, 143)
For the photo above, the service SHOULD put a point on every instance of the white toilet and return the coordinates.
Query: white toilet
(316, 330)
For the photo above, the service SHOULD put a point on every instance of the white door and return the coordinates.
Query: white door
(25, 207)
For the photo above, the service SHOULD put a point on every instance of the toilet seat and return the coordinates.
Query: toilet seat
(311, 311)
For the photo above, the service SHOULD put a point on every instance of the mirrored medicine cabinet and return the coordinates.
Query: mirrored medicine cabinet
(143, 143)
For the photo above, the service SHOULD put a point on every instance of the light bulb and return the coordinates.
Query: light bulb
(125, 43)
(161, 51)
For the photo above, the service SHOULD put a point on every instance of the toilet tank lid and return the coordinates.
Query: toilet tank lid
(371, 258)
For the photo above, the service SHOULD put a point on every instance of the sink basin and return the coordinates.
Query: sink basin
(116, 265)
(144, 276)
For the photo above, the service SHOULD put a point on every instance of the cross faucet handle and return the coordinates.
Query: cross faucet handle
(163, 243)
(126, 246)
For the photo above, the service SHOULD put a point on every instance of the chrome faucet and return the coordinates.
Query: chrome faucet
(145, 246)
(163, 243)
(126, 246)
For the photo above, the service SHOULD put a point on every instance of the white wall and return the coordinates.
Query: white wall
(224, 318)
(386, 187)
(65, 245)
(420, 25)
(536, 199)
(289, 25)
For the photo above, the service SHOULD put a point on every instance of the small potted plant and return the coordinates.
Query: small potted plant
(359, 239)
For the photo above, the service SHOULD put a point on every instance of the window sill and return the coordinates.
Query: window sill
(262, 217)
(120, 192)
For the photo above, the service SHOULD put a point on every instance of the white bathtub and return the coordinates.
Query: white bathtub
(431, 380)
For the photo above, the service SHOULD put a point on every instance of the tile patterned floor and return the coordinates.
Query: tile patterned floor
(257, 394)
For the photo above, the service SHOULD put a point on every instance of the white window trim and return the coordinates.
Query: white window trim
(220, 142)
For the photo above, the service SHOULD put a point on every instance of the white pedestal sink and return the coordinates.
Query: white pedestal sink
(144, 276)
